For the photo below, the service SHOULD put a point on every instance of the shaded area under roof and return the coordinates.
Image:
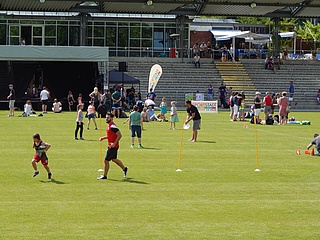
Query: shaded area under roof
(265, 8)
(116, 77)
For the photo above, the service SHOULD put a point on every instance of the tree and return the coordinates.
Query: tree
(309, 32)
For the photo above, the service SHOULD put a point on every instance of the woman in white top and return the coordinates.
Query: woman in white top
(57, 106)
(27, 109)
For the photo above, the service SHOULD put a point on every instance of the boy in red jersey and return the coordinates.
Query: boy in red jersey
(113, 135)
(41, 148)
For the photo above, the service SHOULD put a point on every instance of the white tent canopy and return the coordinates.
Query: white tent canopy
(225, 35)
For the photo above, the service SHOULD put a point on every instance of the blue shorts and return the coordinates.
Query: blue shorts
(135, 130)
(92, 115)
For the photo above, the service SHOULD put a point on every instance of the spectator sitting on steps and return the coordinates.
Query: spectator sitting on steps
(197, 61)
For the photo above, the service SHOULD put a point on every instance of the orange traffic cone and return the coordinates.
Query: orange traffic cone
(312, 152)
(245, 126)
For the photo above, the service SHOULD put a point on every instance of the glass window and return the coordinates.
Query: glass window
(50, 22)
(147, 43)
(26, 22)
(3, 34)
(74, 23)
(134, 24)
(122, 24)
(135, 32)
(89, 31)
(37, 31)
(99, 23)
(146, 32)
(111, 36)
(113, 24)
(98, 42)
(62, 36)
(98, 31)
(134, 43)
(158, 39)
(14, 31)
(14, 41)
(123, 37)
(50, 31)
(159, 24)
(13, 21)
(74, 36)
(50, 41)
(62, 22)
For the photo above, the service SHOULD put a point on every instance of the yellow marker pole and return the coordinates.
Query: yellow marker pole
(100, 170)
(257, 152)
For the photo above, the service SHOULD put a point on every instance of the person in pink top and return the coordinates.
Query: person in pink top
(283, 104)
(91, 114)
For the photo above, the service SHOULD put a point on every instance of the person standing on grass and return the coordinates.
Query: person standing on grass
(193, 114)
(91, 115)
(283, 104)
(71, 100)
(257, 105)
(135, 122)
(12, 98)
(267, 102)
(79, 122)
(173, 116)
(41, 149)
(44, 96)
(113, 135)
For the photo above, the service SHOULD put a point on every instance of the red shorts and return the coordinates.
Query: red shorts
(38, 159)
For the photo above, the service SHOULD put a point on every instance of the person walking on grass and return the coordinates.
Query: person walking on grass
(41, 149)
(79, 122)
(135, 122)
(12, 98)
(193, 114)
(91, 115)
(113, 135)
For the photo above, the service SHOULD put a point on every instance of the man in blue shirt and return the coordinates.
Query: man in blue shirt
(151, 95)
(291, 90)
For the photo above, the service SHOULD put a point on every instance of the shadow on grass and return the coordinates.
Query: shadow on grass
(52, 181)
(152, 148)
(206, 141)
(130, 180)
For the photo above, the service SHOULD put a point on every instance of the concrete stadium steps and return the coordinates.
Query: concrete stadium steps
(304, 74)
(179, 77)
(234, 75)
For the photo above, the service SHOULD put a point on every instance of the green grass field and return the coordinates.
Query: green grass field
(218, 194)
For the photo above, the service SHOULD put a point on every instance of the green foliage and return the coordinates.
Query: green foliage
(218, 195)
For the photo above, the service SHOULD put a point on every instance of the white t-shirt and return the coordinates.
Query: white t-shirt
(199, 97)
(27, 109)
(57, 107)
(44, 94)
(149, 102)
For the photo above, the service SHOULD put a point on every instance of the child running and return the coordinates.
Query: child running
(41, 149)
(173, 115)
